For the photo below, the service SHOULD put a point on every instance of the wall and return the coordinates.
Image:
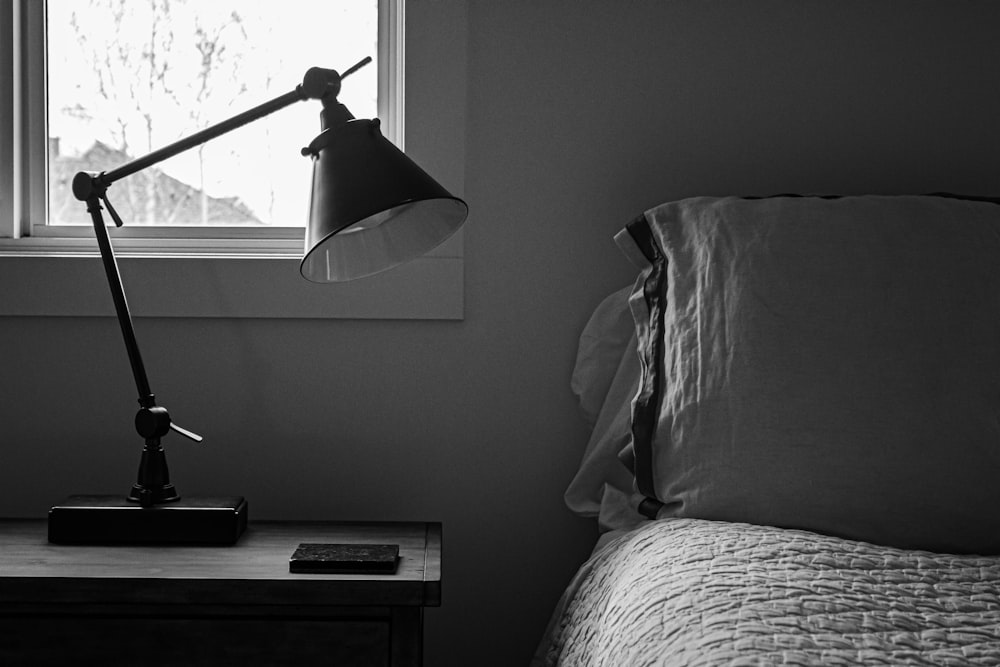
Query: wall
(580, 114)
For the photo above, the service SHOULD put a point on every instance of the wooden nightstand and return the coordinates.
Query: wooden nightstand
(238, 605)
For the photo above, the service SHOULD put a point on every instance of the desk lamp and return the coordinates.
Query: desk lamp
(372, 208)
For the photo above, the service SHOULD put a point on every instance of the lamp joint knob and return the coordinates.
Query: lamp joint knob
(87, 184)
(319, 83)
(152, 422)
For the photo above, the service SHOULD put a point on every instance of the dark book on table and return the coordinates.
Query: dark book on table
(345, 559)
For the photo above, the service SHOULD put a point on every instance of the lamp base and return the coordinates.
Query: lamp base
(115, 520)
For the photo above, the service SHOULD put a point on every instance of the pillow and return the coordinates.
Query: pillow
(602, 486)
(599, 353)
(825, 364)
(604, 380)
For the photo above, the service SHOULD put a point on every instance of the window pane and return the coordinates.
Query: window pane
(128, 76)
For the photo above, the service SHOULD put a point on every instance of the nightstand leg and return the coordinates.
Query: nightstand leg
(407, 635)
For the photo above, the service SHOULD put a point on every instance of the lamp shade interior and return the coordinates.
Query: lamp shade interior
(384, 240)
(372, 207)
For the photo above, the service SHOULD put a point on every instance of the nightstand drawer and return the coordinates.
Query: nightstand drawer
(198, 605)
(208, 642)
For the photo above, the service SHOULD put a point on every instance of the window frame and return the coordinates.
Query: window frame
(433, 284)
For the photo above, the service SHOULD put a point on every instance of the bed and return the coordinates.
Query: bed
(795, 449)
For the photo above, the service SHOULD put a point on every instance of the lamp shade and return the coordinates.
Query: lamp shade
(372, 207)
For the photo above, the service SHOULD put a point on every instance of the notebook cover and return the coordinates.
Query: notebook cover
(345, 559)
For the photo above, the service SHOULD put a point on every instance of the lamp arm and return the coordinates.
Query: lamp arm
(318, 83)
(153, 486)
(146, 398)
(91, 188)
(200, 137)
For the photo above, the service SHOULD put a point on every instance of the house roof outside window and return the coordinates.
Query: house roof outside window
(147, 197)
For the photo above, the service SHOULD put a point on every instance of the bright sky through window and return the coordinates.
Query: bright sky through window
(128, 76)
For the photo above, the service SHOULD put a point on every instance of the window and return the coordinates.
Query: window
(185, 221)
(128, 76)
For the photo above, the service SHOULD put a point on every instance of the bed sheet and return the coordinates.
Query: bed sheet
(695, 592)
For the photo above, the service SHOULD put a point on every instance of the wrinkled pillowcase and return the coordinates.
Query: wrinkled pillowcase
(828, 364)
(604, 380)
(600, 351)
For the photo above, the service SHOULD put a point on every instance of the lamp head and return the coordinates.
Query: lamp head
(372, 207)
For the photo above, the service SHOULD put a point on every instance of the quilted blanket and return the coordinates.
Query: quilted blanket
(692, 592)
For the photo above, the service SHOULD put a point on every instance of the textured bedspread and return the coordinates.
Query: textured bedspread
(691, 592)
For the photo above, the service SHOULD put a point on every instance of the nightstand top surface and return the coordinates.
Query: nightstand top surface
(253, 571)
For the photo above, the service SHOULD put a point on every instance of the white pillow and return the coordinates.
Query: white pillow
(599, 353)
(604, 379)
(826, 364)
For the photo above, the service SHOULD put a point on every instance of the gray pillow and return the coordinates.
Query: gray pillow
(825, 364)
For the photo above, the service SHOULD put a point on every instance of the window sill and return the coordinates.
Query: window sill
(180, 279)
